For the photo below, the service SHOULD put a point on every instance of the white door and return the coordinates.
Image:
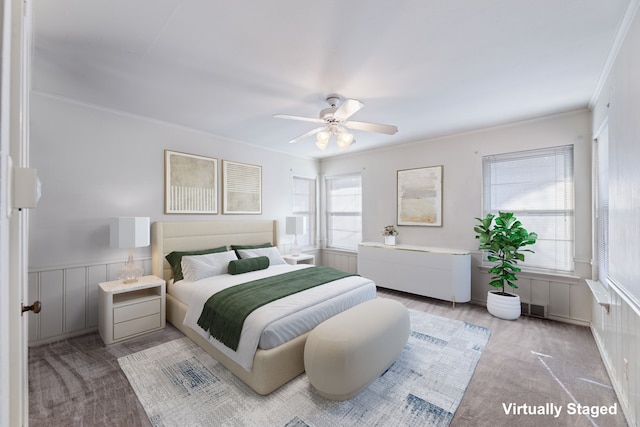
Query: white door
(14, 137)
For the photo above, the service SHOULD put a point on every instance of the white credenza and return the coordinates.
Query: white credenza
(432, 272)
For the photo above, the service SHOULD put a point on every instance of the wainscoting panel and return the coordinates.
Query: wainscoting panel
(540, 291)
(616, 334)
(580, 298)
(96, 274)
(560, 299)
(340, 260)
(51, 287)
(567, 298)
(74, 299)
(69, 297)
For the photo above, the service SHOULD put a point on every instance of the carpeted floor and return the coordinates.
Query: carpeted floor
(180, 384)
(78, 382)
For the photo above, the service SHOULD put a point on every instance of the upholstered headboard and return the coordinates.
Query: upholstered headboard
(167, 237)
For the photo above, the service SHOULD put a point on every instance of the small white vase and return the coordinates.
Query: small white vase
(390, 240)
(504, 306)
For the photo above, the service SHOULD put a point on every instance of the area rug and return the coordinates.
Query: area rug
(179, 384)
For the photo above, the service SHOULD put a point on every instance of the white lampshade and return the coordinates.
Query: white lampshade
(294, 225)
(344, 139)
(322, 139)
(129, 232)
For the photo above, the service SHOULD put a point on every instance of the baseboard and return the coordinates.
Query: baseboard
(553, 317)
(63, 337)
(569, 320)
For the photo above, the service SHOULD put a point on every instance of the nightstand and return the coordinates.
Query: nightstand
(129, 310)
(300, 259)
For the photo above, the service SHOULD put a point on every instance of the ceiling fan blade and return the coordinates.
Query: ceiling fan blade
(303, 119)
(371, 127)
(304, 135)
(348, 108)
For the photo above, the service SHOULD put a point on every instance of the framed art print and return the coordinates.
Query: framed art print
(420, 196)
(190, 183)
(242, 188)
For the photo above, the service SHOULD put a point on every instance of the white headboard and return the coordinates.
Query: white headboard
(167, 237)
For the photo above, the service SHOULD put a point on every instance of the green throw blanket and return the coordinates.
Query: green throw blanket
(224, 312)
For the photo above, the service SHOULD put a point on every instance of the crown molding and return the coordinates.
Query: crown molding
(623, 29)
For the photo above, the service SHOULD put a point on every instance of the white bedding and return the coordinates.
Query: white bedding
(278, 321)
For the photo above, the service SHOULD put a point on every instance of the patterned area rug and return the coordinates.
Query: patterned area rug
(180, 384)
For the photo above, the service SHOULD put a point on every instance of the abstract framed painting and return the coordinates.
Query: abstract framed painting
(242, 188)
(420, 196)
(190, 183)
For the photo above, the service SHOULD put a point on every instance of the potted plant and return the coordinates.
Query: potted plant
(389, 232)
(503, 240)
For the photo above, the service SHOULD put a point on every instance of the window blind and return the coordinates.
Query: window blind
(344, 211)
(537, 186)
(601, 154)
(304, 205)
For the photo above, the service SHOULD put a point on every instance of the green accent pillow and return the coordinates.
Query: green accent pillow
(175, 259)
(246, 265)
(261, 245)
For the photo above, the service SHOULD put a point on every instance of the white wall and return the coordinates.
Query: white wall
(461, 156)
(95, 164)
(617, 331)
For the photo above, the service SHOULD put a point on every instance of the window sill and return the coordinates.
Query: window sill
(530, 274)
(599, 293)
(341, 251)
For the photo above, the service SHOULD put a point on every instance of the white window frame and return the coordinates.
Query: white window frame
(552, 198)
(309, 237)
(351, 236)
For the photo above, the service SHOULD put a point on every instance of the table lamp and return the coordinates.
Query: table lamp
(294, 225)
(129, 232)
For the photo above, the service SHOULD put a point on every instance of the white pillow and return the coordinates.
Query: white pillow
(273, 253)
(197, 267)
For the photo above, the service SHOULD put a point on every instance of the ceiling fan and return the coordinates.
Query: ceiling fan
(334, 122)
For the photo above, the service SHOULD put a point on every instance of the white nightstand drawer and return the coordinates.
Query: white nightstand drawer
(134, 311)
(127, 310)
(136, 326)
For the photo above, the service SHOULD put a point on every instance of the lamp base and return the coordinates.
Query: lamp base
(295, 250)
(131, 272)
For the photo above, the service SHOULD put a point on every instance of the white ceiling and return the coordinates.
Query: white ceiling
(226, 67)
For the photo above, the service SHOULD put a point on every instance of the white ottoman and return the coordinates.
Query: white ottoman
(347, 352)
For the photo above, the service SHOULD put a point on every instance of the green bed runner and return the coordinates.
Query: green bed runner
(224, 312)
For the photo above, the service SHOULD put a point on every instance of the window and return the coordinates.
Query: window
(601, 163)
(304, 205)
(344, 211)
(537, 186)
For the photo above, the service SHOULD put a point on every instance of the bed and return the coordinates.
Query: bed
(269, 368)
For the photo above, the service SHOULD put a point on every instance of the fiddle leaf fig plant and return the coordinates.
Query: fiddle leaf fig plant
(503, 240)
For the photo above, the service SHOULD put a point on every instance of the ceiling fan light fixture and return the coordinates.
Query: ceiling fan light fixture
(335, 121)
(322, 139)
(344, 140)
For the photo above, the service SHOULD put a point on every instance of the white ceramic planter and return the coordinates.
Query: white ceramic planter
(504, 307)
(390, 240)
